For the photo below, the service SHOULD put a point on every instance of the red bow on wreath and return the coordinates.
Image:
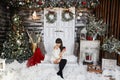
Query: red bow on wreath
(51, 12)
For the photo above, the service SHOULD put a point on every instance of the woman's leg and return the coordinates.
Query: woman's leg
(62, 64)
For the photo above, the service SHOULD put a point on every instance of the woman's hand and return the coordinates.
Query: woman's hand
(57, 61)
(63, 50)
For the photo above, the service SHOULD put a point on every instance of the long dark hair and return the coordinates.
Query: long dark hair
(58, 40)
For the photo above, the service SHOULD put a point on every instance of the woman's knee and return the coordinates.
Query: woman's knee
(64, 60)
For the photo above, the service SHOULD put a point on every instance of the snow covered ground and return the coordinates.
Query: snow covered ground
(47, 71)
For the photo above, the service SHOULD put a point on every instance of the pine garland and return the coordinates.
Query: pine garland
(50, 3)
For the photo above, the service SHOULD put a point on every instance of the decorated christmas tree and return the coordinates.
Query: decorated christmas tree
(16, 46)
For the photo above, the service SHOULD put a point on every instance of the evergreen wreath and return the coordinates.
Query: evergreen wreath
(64, 18)
(48, 16)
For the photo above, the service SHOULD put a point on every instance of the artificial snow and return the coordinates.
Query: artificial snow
(47, 71)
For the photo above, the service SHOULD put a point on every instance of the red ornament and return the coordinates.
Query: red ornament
(89, 38)
(51, 12)
(84, 3)
(96, 30)
(67, 10)
(74, 3)
(40, 2)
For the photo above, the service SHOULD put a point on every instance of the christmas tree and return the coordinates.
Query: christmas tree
(16, 46)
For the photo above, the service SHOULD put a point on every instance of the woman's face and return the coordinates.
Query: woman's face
(58, 44)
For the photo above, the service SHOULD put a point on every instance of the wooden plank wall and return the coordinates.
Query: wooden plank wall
(30, 24)
(109, 11)
(4, 22)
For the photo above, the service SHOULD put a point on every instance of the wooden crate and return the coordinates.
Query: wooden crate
(94, 68)
(118, 60)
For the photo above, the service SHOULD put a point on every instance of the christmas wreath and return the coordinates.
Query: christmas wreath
(51, 16)
(67, 15)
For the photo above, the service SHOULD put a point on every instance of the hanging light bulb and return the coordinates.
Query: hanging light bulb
(80, 14)
(34, 16)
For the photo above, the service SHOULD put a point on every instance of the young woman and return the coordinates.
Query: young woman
(57, 55)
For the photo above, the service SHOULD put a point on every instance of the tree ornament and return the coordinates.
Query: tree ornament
(78, 18)
(80, 14)
(7, 7)
(18, 42)
(93, 4)
(21, 3)
(51, 16)
(16, 20)
(67, 15)
(40, 3)
(74, 3)
(35, 0)
(61, 2)
(84, 3)
(28, 1)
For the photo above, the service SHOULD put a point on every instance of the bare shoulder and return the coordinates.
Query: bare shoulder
(55, 47)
